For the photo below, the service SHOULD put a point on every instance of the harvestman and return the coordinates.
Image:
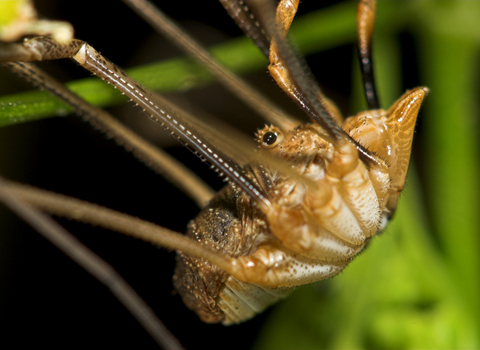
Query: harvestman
(295, 227)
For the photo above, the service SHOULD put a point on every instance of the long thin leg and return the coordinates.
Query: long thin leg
(82, 211)
(91, 263)
(245, 19)
(154, 157)
(365, 23)
(254, 98)
(292, 74)
(226, 138)
(271, 265)
(43, 48)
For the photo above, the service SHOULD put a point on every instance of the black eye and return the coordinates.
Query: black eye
(269, 138)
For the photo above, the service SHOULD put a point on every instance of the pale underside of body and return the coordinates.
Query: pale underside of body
(309, 233)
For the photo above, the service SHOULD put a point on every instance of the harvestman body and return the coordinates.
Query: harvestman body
(273, 227)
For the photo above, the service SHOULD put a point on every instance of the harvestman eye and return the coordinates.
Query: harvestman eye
(269, 138)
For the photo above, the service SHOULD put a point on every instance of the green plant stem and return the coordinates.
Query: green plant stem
(316, 31)
(451, 145)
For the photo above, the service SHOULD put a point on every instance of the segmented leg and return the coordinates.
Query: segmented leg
(11, 196)
(365, 23)
(272, 265)
(287, 72)
(154, 157)
(251, 96)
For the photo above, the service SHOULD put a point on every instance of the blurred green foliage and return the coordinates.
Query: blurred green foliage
(418, 284)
